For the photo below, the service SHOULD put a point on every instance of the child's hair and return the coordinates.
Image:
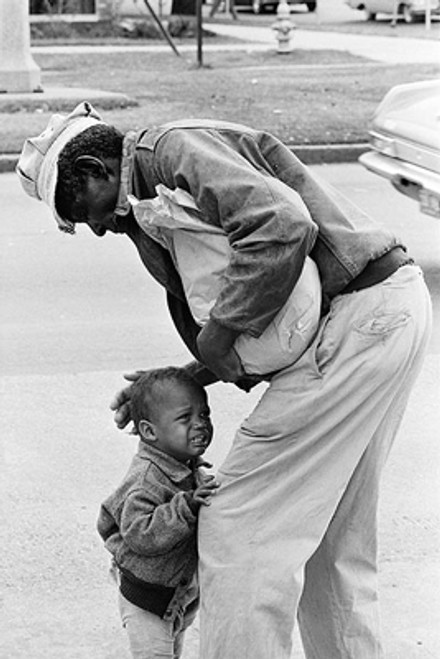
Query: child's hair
(145, 392)
(100, 141)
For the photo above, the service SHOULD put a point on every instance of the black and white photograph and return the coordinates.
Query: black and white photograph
(220, 346)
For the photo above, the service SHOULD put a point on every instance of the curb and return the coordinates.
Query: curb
(316, 154)
(326, 154)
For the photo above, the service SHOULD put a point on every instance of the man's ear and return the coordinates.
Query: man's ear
(92, 166)
(147, 430)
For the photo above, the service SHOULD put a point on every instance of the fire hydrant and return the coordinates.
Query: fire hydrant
(283, 27)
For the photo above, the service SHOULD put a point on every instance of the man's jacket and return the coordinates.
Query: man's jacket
(242, 180)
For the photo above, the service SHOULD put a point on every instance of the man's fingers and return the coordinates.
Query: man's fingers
(123, 396)
(121, 399)
(122, 415)
(132, 377)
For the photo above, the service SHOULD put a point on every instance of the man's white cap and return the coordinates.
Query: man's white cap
(37, 167)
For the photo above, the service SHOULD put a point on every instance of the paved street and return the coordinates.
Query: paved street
(76, 314)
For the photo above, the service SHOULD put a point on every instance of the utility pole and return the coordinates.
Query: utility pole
(199, 33)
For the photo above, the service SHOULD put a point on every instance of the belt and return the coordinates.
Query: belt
(379, 270)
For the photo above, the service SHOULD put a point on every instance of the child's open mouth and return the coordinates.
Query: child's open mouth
(200, 441)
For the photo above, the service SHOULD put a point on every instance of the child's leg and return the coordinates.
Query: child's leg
(150, 636)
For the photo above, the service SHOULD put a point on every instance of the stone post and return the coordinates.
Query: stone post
(18, 71)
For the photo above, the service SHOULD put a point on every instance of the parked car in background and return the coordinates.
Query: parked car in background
(260, 6)
(405, 140)
(409, 10)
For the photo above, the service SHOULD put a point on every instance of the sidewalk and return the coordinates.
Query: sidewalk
(381, 49)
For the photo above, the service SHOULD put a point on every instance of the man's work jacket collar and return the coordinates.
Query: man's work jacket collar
(123, 205)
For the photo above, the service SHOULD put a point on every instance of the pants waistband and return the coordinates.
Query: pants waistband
(150, 597)
(378, 270)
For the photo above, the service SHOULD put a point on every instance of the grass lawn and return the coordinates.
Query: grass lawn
(305, 97)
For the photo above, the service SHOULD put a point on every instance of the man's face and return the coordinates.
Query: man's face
(95, 205)
(182, 423)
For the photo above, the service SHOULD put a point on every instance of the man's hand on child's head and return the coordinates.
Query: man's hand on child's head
(203, 493)
(121, 403)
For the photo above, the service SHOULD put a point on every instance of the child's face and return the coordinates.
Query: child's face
(181, 422)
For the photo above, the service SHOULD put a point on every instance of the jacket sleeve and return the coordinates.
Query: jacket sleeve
(106, 524)
(150, 529)
(268, 236)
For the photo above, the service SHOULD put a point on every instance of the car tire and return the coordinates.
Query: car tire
(370, 15)
(407, 14)
(311, 6)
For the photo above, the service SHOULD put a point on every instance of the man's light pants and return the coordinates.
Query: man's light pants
(292, 530)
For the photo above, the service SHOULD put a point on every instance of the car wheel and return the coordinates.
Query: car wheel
(311, 6)
(408, 16)
(370, 15)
